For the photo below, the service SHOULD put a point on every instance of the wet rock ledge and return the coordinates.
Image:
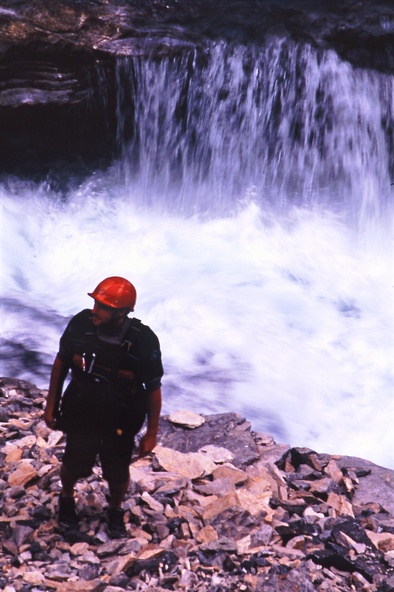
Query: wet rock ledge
(217, 507)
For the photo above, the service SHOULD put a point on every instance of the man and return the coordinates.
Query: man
(116, 373)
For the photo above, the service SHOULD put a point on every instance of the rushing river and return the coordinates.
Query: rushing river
(251, 207)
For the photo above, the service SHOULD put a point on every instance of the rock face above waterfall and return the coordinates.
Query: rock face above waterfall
(58, 62)
(215, 507)
(360, 32)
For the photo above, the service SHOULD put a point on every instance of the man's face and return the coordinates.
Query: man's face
(104, 315)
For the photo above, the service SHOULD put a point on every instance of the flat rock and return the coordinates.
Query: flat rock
(24, 473)
(254, 503)
(33, 577)
(237, 476)
(216, 453)
(148, 481)
(333, 471)
(186, 418)
(191, 465)
(207, 535)
(14, 453)
(341, 504)
(151, 502)
(384, 541)
(96, 585)
(231, 500)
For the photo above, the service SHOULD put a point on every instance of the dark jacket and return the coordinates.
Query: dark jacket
(109, 380)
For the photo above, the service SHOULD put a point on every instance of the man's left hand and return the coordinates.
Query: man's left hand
(147, 444)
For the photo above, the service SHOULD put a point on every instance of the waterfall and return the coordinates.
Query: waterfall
(286, 122)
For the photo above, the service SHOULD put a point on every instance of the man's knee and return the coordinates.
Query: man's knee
(116, 473)
(69, 472)
(80, 453)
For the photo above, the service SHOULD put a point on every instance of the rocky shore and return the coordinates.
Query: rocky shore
(217, 507)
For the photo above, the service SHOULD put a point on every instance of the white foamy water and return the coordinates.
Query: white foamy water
(285, 319)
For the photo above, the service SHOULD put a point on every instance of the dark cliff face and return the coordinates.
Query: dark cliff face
(58, 62)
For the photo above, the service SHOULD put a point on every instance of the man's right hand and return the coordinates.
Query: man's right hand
(58, 376)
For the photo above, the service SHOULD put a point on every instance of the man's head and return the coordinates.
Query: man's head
(114, 298)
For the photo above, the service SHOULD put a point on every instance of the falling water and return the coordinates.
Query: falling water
(286, 122)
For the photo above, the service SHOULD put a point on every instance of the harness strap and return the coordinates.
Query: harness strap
(131, 330)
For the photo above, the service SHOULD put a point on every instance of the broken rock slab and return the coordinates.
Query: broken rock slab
(22, 474)
(225, 430)
(191, 465)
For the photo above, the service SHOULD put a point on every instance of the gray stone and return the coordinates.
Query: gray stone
(273, 454)
(188, 580)
(110, 548)
(22, 534)
(216, 487)
(16, 492)
(261, 536)
(222, 544)
(88, 572)
(286, 582)
(377, 486)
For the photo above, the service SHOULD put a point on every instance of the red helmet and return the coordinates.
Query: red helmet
(115, 292)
